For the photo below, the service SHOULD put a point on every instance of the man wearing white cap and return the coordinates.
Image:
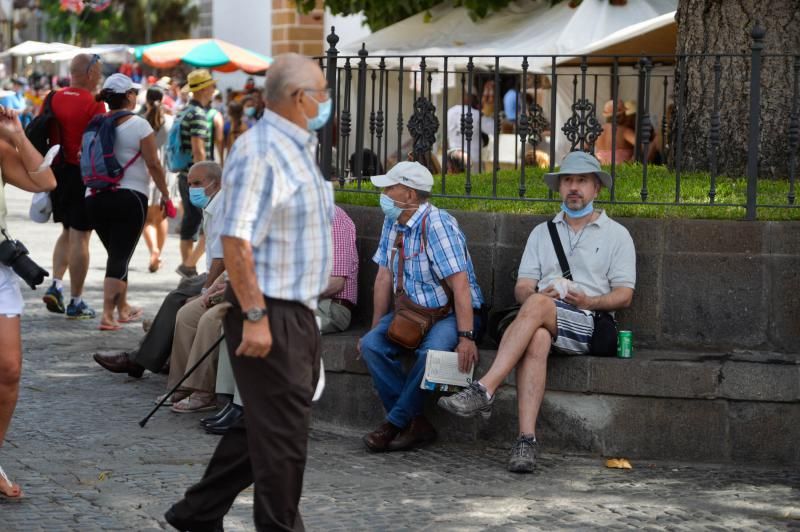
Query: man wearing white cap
(422, 256)
(569, 309)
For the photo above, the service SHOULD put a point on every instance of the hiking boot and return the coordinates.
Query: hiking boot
(187, 272)
(80, 311)
(54, 299)
(523, 455)
(468, 402)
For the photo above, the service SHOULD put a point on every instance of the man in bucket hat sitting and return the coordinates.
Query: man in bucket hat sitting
(571, 317)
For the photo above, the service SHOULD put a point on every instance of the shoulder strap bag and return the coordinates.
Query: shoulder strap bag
(411, 322)
(604, 336)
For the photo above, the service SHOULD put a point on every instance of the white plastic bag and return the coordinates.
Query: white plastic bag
(41, 207)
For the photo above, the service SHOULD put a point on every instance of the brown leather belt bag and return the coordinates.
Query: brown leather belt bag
(411, 322)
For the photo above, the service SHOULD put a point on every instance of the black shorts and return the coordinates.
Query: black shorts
(68, 198)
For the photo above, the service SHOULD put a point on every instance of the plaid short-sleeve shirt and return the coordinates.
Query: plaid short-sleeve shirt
(425, 267)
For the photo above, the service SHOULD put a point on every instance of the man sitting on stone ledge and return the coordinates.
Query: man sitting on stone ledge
(423, 254)
(602, 260)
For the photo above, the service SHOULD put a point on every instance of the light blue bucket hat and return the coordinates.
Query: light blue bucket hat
(577, 162)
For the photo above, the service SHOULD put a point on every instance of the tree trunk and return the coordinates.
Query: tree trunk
(724, 27)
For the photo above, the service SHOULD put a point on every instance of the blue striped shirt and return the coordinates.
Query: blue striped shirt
(277, 199)
(424, 269)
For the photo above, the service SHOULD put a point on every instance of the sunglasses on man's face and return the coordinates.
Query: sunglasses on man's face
(94, 61)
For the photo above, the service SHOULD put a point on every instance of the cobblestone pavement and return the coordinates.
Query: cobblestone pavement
(84, 463)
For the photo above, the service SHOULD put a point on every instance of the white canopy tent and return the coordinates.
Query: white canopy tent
(116, 53)
(36, 48)
(539, 31)
(525, 27)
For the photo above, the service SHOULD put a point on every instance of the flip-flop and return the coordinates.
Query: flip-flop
(134, 315)
(4, 496)
(105, 327)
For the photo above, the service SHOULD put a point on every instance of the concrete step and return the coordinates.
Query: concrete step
(709, 406)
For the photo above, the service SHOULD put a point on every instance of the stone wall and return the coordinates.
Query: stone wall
(293, 32)
(702, 285)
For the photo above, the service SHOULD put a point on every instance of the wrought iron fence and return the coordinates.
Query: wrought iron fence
(386, 110)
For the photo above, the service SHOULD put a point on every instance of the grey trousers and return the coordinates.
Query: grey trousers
(156, 346)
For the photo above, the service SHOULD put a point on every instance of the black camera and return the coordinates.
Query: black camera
(15, 255)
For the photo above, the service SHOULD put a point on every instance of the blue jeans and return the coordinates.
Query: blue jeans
(400, 392)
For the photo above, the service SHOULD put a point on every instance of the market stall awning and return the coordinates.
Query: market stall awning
(29, 48)
(524, 28)
(203, 53)
(117, 53)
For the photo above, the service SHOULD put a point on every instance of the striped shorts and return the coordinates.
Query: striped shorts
(575, 328)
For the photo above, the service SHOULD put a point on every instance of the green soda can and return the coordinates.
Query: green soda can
(625, 344)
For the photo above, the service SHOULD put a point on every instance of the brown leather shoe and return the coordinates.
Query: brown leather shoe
(119, 363)
(378, 440)
(419, 432)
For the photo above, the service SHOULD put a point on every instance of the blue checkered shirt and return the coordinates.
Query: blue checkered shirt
(424, 269)
(277, 199)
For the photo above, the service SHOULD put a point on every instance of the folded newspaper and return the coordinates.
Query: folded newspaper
(442, 373)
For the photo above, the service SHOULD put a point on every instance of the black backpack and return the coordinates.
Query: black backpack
(38, 131)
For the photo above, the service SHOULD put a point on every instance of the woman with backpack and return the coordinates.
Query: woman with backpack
(155, 226)
(117, 201)
(22, 166)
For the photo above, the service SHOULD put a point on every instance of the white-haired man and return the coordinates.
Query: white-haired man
(278, 252)
(602, 262)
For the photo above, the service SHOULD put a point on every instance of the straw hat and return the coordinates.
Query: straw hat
(199, 80)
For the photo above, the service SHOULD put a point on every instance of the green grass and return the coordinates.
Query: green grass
(660, 187)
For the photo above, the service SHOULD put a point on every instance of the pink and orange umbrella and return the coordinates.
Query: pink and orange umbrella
(203, 53)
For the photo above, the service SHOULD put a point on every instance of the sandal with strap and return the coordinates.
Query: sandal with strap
(197, 402)
(13, 492)
(133, 315)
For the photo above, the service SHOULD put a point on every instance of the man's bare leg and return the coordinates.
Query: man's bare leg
(538, 311)
(531, 378)
(186, 250)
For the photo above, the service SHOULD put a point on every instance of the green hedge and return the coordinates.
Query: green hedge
(660, 187)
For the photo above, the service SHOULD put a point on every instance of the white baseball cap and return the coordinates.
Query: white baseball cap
(408, 173)
(120, 83)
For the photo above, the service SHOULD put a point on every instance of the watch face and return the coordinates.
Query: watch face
(255, 314)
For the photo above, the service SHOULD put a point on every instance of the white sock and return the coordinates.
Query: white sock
(59, 284)
(77, 300)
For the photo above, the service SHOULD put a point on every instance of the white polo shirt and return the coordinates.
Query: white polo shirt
(601, 256)
(212, 228)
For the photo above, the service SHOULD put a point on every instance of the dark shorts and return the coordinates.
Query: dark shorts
(68, 198)
(192, 216)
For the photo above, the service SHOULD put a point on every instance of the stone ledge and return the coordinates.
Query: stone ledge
(741, 375)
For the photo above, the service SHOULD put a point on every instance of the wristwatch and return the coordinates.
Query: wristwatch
(254, 314)
(469, 335)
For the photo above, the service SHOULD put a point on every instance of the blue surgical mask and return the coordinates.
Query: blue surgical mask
(388, 207)
(250, 112)
(323, 114)
(197, 197)
(579, 213)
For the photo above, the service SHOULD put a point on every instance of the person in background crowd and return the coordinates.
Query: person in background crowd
(118, 213)
(156, 227)
(73, 107)
(218, 104)
(195, 139)
(17, 155)
(17, 101)
(457, 145)
(625, 136)
(235, 125)
(249, 110)
(216, 129)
